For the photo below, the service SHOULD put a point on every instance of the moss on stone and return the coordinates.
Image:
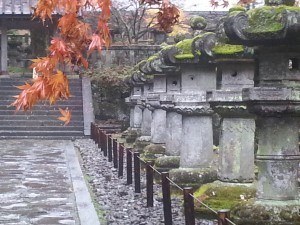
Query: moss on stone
(185, 46)
(268, 213)
(153, 57)
(237, 8)
(153, 151)
(168, 162)
(193, 177)
(220, 195)
(227, 49)
(268, 19)
(198, 22)
(184, 56)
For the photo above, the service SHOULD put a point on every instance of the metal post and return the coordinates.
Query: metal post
(129, 165)
(137, 172)
(189, 206)
(166, 198)
(223, 214)
(109, 147)
(93, 131)
(149, 178)
(104, 143)
(115, 153)
(121, 159)
(98, 137)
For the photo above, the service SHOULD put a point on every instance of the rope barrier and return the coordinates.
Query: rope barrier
(180, 188)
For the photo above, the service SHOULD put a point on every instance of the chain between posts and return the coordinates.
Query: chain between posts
(223, 216)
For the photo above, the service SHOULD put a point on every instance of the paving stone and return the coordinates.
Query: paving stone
(35, 184)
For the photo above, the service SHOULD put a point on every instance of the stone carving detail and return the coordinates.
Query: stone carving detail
(244, 28)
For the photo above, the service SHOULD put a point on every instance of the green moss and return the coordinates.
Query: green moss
(268, 19)
(226, 49)
(153, 57)
(185, 46)
(198, 22)
(168, 162)
(237, 8)
(218, 196)
(184, 56)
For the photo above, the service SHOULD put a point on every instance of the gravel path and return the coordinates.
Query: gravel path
(120, 204)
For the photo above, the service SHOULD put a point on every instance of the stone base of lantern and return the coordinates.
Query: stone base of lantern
(167, 163)
(267, 213)
(131, 134)
(222, 195)
(153, 151)
(193, 177)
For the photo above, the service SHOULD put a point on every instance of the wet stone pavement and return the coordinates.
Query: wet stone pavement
(35, 184)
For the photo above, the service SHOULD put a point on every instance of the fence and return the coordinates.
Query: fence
(102, 136)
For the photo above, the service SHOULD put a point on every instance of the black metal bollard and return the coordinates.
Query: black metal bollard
(109, 147)
(223, 215)
(98, 137)
(121, 159)
(189, 206)
(115, 153)
(104, 143)
(129, 165)
(149, 185)
(137, 172)
(93, 131)
(166, 198)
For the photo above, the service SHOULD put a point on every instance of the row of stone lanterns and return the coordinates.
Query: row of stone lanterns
(198, 77)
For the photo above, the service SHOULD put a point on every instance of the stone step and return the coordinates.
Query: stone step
(16, 91)
(46, 107)
(45, 123)
(11, 111)
(56, 133)
(12, 98)
(37, 117)
(39, 137)
(67, 128)
(58, 103)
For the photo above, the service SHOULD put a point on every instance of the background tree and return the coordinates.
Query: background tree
(75, 41)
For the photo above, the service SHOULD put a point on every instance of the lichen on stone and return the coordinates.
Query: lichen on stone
(237, 8)
(220, 195)
(198, 23)
(227, 49)
(268, 19)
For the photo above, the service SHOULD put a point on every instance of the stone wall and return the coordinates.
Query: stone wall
(123, 55)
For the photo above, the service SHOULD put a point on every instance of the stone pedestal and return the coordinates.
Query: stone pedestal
(236, 155)
(158, 126)
(146, 122)
(173, 133)
(278, 158)
(197, 142)
(137, 115)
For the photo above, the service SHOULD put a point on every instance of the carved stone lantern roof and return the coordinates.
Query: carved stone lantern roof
(268, 25)
(191, 51)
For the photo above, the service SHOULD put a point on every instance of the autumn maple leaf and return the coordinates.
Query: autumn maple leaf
(96, 43)
(66, 116)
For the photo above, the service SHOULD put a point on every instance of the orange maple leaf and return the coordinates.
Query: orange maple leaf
(96, 43)
(66, 116)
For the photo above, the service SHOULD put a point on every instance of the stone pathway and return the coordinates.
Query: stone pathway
(41, 183)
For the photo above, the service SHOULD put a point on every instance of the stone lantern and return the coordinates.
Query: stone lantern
(133, 99)
(198, 78)
(147, 114)
(274, 31)
(158, 125)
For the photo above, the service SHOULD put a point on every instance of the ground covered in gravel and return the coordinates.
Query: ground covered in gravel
(117, 202)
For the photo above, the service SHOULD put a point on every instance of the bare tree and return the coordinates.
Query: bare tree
(132, 18)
